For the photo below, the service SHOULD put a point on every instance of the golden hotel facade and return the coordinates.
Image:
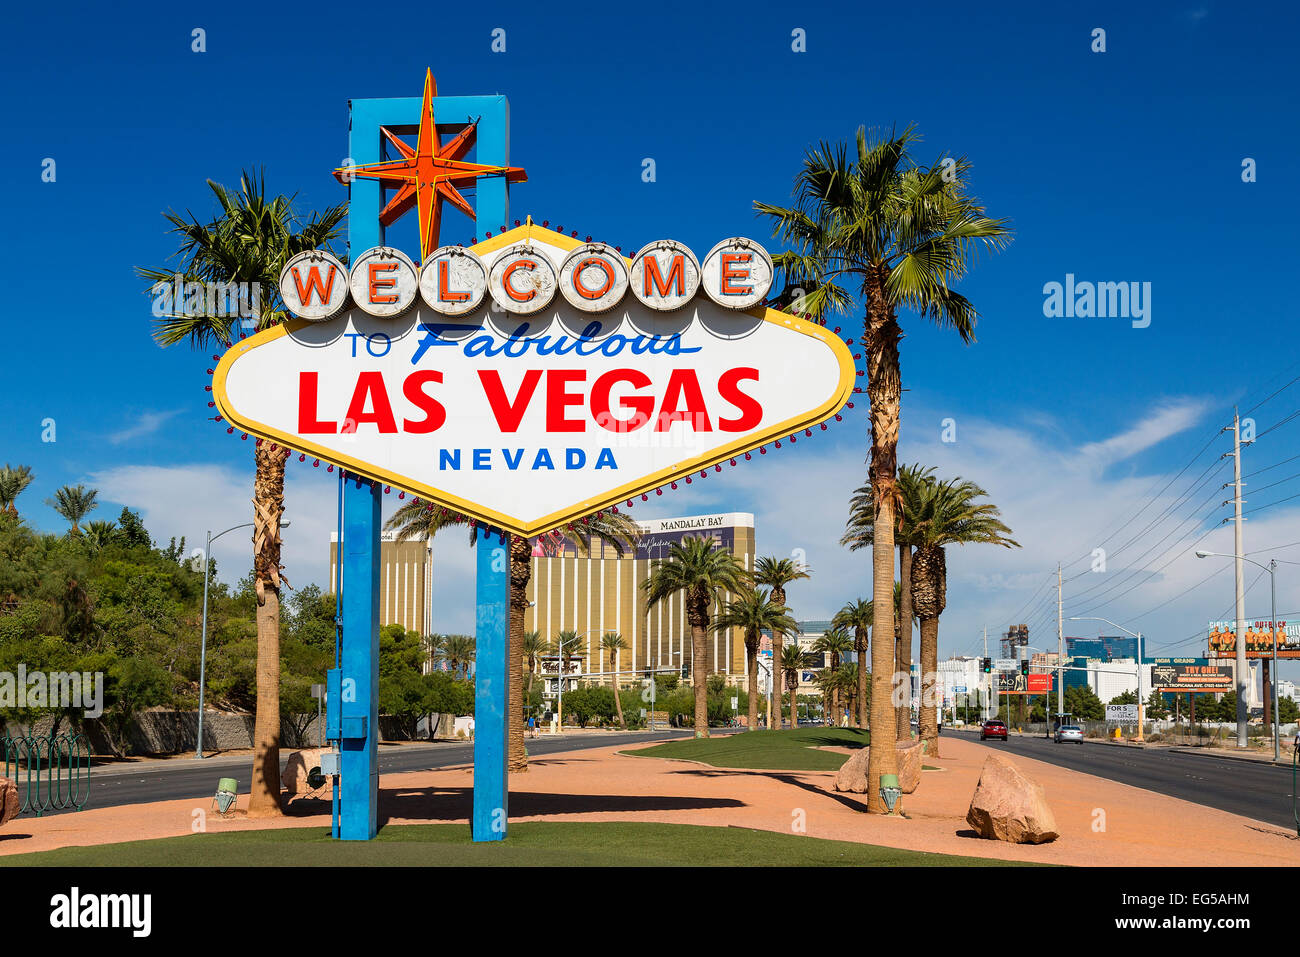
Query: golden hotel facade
(599, 592)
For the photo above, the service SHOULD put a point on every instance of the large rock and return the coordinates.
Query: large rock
(299, 765)
(9, 801)
(852, 775)
(1009, 806)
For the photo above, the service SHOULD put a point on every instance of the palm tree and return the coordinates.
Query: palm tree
(418, 519)
(836, 643)
(99, 534)
(613, 643)
(13, 479)
(753, 612)
(847, 679)
(858, 534)
(793, 658)
(776, 573)
(433, 648)
(249, 241)
(859, 616)
(534, 646)
(949, 514)
(904, 234)
(459, 652)
(704, 573)
(74, 503)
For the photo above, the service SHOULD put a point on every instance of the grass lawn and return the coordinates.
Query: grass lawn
(789, 750)
(559, 844)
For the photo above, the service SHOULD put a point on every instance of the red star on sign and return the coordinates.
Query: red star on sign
(429, 173)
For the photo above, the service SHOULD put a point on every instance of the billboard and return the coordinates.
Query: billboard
(1197, 675)
(533, 379)
(1025, 684)
(1259, 640)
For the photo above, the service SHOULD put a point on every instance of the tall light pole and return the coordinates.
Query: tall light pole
(1138, 636)
(559, 684)
(1271, 568)
(203, 647)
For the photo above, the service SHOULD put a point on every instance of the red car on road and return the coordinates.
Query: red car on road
(993, 729)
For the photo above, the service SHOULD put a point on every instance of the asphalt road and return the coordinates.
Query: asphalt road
(1250, 788)
(186, 778)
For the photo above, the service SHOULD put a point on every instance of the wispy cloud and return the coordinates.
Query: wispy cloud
(146, 423)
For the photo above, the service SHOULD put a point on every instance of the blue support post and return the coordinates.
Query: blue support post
(359, 764)
(491, 687)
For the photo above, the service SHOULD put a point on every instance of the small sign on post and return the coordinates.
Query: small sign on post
(1122, 713)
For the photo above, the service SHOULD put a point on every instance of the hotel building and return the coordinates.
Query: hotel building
(405, 581)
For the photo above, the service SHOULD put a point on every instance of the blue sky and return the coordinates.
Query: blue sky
(1117, 166)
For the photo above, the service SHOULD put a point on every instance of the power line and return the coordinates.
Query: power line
(1277, 425)
(1273, 466)
(1260, 508)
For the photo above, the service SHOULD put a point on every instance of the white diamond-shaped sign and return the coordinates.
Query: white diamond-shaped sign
(530, 421)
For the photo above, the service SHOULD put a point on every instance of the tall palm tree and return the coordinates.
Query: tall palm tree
(835, 643)
(793, 659)
(73, 503)
(859, 616)
(847, 679)
(13, 479)
(704, 573)
(903, 234)
(950, 513)
(249, 241)
(418, 519)
(534, 646)
(459, 652)
(776, 573)
(433, 649)
(613, 643)
(858, 534)
(753, 612)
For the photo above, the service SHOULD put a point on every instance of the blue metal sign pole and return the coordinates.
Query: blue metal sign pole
(360, 549)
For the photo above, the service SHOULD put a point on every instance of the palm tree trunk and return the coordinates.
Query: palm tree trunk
(905, 635)
(778, 683)
(794, 699)
(700, 678)
(268, 505)
(863, 649)
(751, 656)
(884, 388)
(618, 704)
(521, 569)
(929, 668)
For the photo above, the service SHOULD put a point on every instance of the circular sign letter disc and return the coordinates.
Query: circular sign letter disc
(453, 281)
(737, 273)
(664, 275)
(522, 280)
(593, 278)
(314, 285)
(384, 281)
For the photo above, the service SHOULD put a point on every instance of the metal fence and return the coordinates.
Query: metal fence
(52, 772)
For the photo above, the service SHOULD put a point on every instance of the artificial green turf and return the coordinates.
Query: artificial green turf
(528, 844)
(787, 750)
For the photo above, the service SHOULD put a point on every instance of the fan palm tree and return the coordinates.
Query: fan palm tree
(904, 235)
(249, 241)
(99, 534)
(418, 519)
(950, 513)
(776, 573)
(859, 616)
(613, 643)
(73, 503)
(459, 652)
(793, 659)
(534, 646)
(13, 479)
(835, 643)
(704, 573)
(858, 534)
(753, 612)
(847, 679)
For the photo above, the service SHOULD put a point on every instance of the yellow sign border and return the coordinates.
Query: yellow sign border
(559, 519)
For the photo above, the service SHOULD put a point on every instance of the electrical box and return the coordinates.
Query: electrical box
(329, 763)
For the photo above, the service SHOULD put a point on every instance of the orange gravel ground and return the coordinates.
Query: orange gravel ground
(1140, 827)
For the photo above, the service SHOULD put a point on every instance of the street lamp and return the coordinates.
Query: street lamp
(203, 648)
(1271, 568)
(1138, 636)
(559, 684)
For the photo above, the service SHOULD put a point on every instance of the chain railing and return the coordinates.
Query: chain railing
(52, 772)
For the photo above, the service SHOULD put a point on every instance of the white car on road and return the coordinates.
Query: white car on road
(1069, 732)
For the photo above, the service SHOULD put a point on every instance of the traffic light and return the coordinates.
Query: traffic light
(987, 665)
(1024, 666)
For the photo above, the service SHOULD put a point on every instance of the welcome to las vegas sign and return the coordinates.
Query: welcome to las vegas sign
(532, 379)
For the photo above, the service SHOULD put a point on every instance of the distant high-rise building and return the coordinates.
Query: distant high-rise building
(405, 581)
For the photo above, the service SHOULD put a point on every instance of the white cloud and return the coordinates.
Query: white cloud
(146, 423)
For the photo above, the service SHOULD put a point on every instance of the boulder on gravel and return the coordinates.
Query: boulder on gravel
(10, 804)
(1010, 806)
(296, 770)
(852, 775)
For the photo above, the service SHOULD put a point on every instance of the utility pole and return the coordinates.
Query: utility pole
(1238, 552)
(1060, 646)
(983, 679)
